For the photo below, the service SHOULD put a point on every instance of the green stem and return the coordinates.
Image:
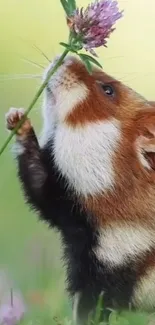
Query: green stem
(39, 92)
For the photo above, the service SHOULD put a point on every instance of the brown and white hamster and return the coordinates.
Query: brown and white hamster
(92, 176)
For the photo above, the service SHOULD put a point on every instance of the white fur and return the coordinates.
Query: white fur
(85, 155)
(49, 120)
(66, 92)
(144, 292)
(139, 144)
(76, 300)
(119, 244)
(68, 99)
(54, 113)
(18, 149)
(142, 159)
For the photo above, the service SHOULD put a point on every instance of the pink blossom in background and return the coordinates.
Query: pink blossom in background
(12, 312)
(12, 307)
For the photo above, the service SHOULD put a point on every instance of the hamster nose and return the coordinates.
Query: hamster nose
(68, 61)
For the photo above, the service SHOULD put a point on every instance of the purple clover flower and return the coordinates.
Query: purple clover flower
(95, 24)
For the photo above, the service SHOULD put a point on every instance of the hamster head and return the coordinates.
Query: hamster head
(103, 132)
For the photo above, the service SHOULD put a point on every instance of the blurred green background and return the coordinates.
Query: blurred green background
(28, 249)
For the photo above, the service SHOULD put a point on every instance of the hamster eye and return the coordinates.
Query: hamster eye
(108, 89)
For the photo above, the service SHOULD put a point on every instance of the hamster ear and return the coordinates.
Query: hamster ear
(146, 141)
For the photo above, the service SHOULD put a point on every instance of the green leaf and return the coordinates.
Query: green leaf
(91, 59)
(69, 6)
(88, 66)
(67, 46)
(86, 62)
(72, 5)
(65, 6)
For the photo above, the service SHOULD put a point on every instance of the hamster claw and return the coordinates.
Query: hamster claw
(12, 118)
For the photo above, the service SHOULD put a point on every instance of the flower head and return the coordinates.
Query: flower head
(94, 25)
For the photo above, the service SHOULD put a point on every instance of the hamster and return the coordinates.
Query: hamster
(91, 176)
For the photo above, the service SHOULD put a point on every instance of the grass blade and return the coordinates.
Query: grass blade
(99, 310)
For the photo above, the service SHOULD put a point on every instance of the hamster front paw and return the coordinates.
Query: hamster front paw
(12, 118)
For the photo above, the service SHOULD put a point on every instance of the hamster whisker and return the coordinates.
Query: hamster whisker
(137, 76)
(19, 77)
(41, 52)
(113, 57)
(38, 65)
